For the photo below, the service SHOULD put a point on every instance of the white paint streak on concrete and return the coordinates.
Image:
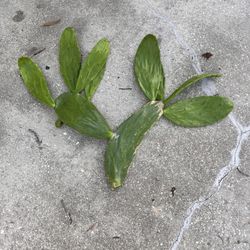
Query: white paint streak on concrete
(208, 88)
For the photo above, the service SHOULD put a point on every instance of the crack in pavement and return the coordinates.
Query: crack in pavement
(208, 87)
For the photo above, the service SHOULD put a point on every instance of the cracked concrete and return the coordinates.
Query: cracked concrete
(209, 208)
(223, 223)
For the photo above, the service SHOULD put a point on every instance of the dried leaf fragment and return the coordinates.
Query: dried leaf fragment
(207, 55)
(51, 23)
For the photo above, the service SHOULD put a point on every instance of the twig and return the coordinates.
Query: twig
(34, 51)
(125, 88)
(38, 52)
(242, 172)
(66, 212)
(91, 228)
(37, 139)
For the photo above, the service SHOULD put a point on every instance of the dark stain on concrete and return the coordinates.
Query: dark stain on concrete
(19, 16)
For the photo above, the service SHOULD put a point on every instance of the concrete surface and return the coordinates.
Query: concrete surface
(210, 208)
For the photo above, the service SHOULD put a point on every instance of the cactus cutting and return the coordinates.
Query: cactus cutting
(82, 78)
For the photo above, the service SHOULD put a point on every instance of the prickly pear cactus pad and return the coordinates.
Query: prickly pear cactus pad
(76, 109)
(122, 146)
